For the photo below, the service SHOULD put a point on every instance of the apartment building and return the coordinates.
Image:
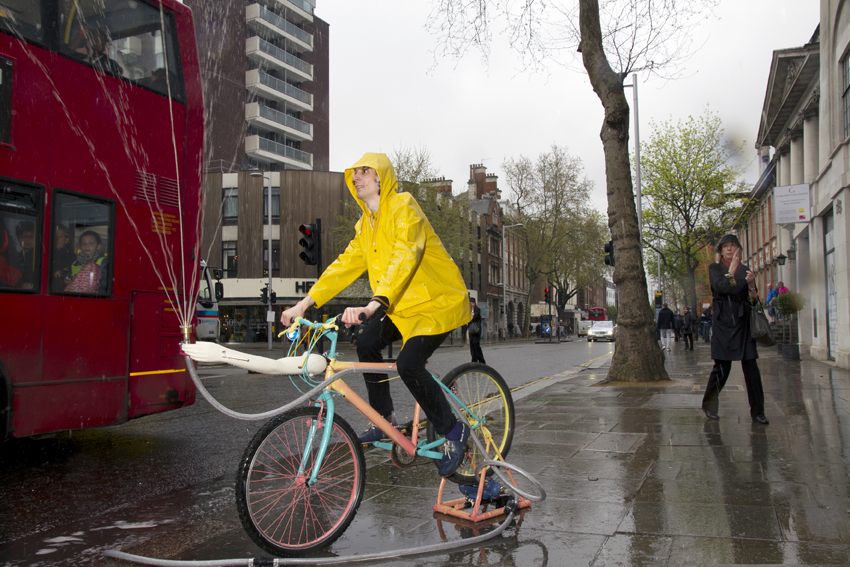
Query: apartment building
(264, 66)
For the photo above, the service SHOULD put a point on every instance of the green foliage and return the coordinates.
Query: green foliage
(690, 189)
(611, 310)
(789, 303)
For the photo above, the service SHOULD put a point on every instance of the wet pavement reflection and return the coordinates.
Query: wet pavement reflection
(635, 475)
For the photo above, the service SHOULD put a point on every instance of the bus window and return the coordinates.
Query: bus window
(5, 101)
(125, 39)
(20, 262)
(22, 19)
(82, 245)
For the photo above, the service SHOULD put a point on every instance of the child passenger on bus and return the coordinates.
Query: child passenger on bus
(86, 271)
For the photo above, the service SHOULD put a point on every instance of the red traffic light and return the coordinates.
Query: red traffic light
(546, 290)
(305, 230)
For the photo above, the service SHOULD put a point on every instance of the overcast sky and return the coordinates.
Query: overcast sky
(385, 92)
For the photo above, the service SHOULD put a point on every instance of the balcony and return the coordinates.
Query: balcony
(264, 54)
(300, 9)
(269, 24)
(262, 149)
(265, 86)
(271, 120)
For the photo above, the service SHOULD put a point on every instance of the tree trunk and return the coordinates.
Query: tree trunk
(638, 356)
(527, 319)
(692, 286)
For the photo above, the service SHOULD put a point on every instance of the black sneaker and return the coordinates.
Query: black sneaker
(454, 452)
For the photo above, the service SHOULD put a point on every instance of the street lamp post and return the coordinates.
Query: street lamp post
(269, 312)
(504, 281)
(634, 87)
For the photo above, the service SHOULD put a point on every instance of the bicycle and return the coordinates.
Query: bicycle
(302, 476)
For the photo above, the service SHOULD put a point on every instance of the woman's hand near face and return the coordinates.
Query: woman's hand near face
(736, 262)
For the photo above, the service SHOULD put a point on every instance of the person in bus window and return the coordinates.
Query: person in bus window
(9, 274)
(86, 271)
(25, 258)
(92, 44)
(63, 258)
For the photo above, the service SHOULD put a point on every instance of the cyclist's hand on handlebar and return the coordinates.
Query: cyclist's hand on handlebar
(352, 314)
(297, 311)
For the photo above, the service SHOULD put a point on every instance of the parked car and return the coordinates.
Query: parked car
(602, 331)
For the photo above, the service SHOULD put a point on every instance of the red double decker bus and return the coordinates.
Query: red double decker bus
(101, 135)
(596, 314)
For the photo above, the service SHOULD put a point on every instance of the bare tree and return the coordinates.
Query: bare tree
(550, 199)
(574, 265)
(639, 35)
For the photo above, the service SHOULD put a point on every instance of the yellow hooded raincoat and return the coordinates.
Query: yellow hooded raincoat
(410, 272)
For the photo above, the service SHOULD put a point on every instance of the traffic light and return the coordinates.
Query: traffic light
(609, 253)
(310, 242)
(274, 297)
(546, 294)
(264, 295)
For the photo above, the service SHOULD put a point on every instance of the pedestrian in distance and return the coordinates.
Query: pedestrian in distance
(665, 326)
(734, 292)
(688, 324)
(475, 333)
(419, 296)
(677, 325)
(768, 300)
(780, 288)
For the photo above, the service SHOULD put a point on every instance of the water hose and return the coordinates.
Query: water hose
(269, 561)
(507, 483)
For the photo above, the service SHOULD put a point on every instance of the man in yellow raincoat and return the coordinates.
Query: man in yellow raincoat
(414, 281)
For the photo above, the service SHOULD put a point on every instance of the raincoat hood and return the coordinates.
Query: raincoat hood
(386, 174)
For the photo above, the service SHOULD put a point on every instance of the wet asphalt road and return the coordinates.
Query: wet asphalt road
(64, 500)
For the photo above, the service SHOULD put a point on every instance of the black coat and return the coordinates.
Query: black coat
(730, 321)
(688, 324)
(476, 318)
(665, 318)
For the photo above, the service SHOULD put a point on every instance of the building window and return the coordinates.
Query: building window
(275, 205)
(228, 258)
(229, 206)
(275, 258)
(845, 94)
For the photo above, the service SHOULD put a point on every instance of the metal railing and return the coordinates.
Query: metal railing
(286, 26)
(285, 88)
(286, 57)
(284, 150)
(286, 120)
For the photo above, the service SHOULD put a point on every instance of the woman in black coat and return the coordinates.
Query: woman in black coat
(733, 288)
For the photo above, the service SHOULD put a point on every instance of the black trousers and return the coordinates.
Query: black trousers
(411, 367)
(475, 349)
(689, 340)
(717, 379)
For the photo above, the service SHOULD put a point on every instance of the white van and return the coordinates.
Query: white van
(584, 327)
